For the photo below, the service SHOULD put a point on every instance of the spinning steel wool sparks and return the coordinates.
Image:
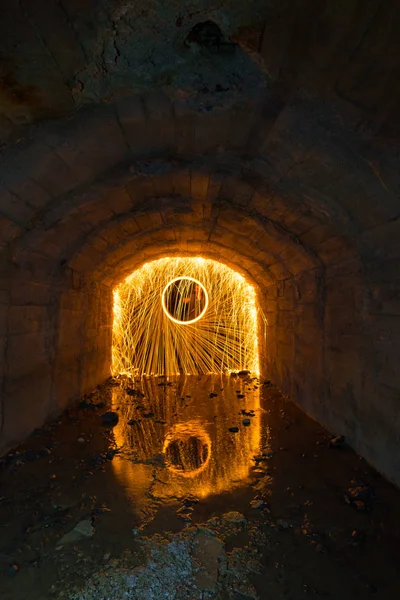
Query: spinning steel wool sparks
(184, 316)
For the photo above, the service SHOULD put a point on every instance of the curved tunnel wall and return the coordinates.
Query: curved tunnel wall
(301, 213)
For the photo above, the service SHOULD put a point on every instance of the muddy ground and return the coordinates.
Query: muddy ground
(206, 487)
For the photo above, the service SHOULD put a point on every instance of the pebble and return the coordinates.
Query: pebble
(84, 529)
(109, 418)
(13, 569)
(246, 422)
(337, 442)
(135, 532)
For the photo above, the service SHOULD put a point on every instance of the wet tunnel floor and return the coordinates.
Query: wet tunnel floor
(207, 487)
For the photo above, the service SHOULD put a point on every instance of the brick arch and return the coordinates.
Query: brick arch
(302, 212)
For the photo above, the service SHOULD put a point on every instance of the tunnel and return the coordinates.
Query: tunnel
(263, 139)
(296, 221)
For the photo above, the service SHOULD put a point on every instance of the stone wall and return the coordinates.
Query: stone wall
(306, 211)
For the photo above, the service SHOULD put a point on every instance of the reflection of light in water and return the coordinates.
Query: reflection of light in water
(192, 450)
(187, 449)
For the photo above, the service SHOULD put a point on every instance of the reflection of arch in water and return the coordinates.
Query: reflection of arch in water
(187, 449)
(230, 459)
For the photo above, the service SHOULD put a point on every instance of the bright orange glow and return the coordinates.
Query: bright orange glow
(185, 300)
(218, 310)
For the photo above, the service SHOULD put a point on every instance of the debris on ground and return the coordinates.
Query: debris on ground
(189, 565)
(338, 441)
(84, 529)
(110, 418)
(360, 497)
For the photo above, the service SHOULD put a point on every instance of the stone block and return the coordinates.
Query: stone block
(25, 406)
(57, 35)
(31, 193)
(119, 200)
(13, 208)
(27, 319)
(211, 131)
(160, 123)
(9, 230)
(39, 162)
(185, 125)
(29, 353)
(132, 118)
(29, 292)
(91, 144)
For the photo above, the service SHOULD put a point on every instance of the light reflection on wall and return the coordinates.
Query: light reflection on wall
(186, 447)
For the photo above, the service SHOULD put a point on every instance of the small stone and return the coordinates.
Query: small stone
(234, 518)
(243, 373)
(246, 422)
(135, 532)
(360, 497)
(259, 504)
(13, 569)
(81, 440)
(84, 529)
(337, 442)
(212, 395)
(106, 557)
(233, 429)
(109, 418)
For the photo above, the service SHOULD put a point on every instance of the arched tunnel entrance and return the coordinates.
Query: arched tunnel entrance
(185, 316)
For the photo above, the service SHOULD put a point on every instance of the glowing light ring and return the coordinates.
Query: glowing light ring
(165, 307)
(182, 431)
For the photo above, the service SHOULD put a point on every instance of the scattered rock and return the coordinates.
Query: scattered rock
(246, 422)
(233, 429)
(109, 418)
(360, 497)
(135, 532)
(259, 503)
(83, 530)
(13, 569)
(233, 518)
(243, 373)
(213, 395)
(337, 442)
(357, 537)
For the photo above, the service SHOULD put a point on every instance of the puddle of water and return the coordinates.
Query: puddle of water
(175, 442)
